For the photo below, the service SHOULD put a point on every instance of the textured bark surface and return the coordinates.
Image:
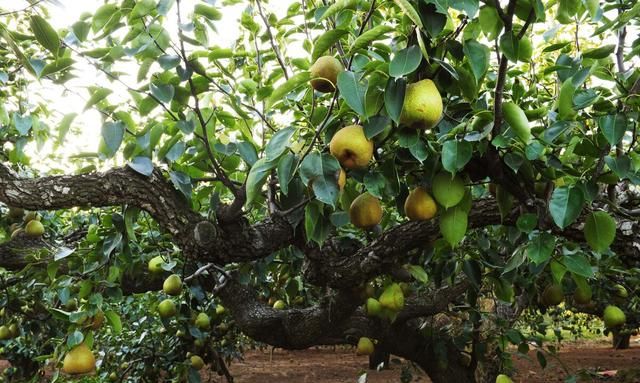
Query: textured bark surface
(341, 265)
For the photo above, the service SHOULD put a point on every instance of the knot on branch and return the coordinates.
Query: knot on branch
(205, 233)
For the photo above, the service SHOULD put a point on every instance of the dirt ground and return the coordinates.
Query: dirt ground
(591, 361)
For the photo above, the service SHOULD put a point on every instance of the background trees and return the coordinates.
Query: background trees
(217, 160)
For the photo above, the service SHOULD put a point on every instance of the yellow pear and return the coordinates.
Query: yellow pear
(167, 308)
(279, 305)
(220, 309)
(196, 362)
(34, 229)
(351, 147)
(422, 106)
(172, 285)
(79, 360)
(419, 206)
(324, 73)
(365, 346)
(365, 211)
(4, 333)
(342, 179)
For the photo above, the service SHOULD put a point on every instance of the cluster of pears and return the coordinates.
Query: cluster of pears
(9, 332)
(33, 228)
(422, 106)
(388, 304)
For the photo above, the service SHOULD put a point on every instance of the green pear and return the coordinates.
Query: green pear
(392, 297)
(203, 322)
(502, 378)
(196, 362)
(552, 295)
(172, 285)
(4, 333)
(374, 308)
(167, 309)
(279, 305)
(34, 229)
(583, 294)
(422, 108)
(613, 317)
(365, 346)
(155, 265)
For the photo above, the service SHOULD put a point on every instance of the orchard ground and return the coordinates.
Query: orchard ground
(590, 360)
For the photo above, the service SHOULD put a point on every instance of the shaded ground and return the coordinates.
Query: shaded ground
(591, 361)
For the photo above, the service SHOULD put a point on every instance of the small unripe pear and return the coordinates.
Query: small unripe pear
(34, 229)
(279, 305)
(167, 309)
(203, 322)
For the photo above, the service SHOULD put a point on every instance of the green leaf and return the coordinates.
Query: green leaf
(509, 46)
(163, 92)
(470, 7)
(365, 39)
(278, 143)
(97, 95)
(316, 226)
(471, 268)
(168, 61)
(418, 273)
(74, 339)
(207, 11)
(613, 127)
(540, 248)
(114, 321)
(22, 123)
(394, 97)
(565, 205)
(294, 82)
(45, 34)
(352, 91)
(285, 169)
(375, 183)
(376, 125)
(619, 165)
(600, 230)
(112, 134)
(336, 7)
(453, 225)
(256, 178)
(527, 222)
(321, 171)
(478, 56)
(142, 165)
(64, 126)
(577, 264)
(503, 289)
(410, 11)
(490, 22)
(325, 41)
(405, 62)
(455, 155)
(599, 52)
(58, 65)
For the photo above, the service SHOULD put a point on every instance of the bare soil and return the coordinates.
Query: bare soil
(591, 361)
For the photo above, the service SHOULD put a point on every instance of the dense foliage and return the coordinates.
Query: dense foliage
(440, 177)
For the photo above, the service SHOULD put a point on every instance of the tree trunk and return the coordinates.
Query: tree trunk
(377, 358)
(620, 341)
